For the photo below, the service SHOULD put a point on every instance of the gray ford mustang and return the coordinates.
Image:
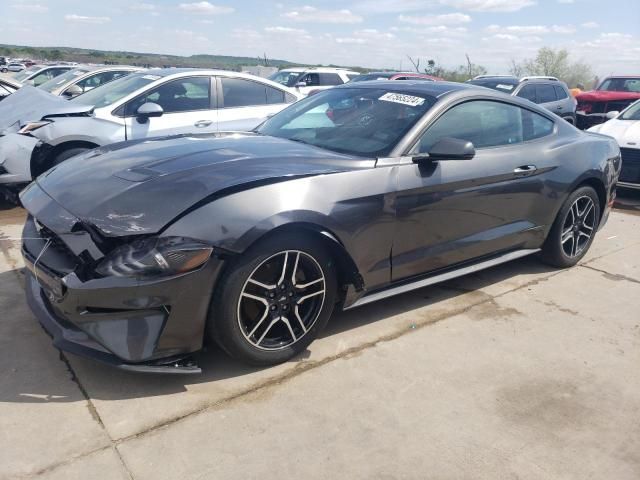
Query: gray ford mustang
(139, 252)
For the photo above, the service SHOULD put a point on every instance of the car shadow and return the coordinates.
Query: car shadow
(106, 383)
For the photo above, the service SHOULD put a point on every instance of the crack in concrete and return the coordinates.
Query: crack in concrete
(616, 277)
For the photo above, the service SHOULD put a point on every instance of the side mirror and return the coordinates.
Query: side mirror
(301, 84)
(612, 114)
(73, 91)
(448, 148)
(148, 110)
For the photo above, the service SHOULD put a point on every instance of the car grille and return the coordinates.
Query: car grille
(630, 165)
(57, 257)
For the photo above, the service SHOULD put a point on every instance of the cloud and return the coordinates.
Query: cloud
(563, 29)
(446, 19)
(83, 19)
(31, 8)
(351, 40)
(205, 8)
(590, 25)
(142, 7)
(519, 29)
(286, 30)
(489, 5)
(315, 15)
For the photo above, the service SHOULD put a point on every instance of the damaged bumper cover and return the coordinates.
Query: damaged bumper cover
(141, 325)
(16, 152)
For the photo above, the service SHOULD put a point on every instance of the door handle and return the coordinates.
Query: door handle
(525, 170)
(202, 123)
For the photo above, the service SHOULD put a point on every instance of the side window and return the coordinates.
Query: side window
(330, 79)
(528, 92)
(54, 72)
(484, 123)
(182, 95)
(311, 79)
(41, 78)
(546, 93)
(274, 95)
(535, 125)
(98, 79)
(238, 92)
(561, 93)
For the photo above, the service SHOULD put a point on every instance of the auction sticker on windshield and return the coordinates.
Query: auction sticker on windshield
(403, 99)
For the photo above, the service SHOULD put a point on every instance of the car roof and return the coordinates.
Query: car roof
(434, 89)
(319, 69)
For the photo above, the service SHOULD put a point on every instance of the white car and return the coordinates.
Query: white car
(625, 128)
(39, 74)
(306, 80)
(40, 130)
(15, 67)
(84, 78)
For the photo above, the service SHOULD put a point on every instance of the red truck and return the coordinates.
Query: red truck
(613, 94)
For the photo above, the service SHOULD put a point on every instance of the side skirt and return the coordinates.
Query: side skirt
(438, 278)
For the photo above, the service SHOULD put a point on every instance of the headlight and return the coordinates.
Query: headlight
(153, 257)
(31, 126)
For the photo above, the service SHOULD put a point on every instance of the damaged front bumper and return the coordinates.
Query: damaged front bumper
(140, 325)
(15, 158)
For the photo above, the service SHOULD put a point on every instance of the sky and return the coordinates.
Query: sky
(368, 33)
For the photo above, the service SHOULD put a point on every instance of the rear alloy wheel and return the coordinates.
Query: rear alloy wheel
(574, 229)
(274, 301)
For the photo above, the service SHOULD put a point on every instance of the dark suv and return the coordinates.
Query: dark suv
(549, 92)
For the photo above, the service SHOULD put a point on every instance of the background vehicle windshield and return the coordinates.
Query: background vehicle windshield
(631, 113)
(506, 85)
(113, 91)
(57, 82)
(621, 85)
(288, 79)
(20, 76)
(357, 121)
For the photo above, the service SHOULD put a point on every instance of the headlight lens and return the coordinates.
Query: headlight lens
(31, 126)
(154, 257)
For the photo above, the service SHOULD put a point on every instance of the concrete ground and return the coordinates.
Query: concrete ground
(520, 371)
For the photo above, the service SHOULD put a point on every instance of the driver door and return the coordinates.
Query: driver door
(188, 104)
(453, 211)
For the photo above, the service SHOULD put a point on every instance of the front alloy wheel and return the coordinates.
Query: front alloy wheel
(274, 299)
(281, 300)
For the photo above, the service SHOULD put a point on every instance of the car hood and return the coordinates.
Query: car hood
(31, 104)
(605, 96)
(626, 132)
(140, 187)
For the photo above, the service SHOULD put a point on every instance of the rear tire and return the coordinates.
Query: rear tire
(573, 230)
(268, 307)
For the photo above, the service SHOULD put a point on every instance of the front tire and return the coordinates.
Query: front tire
(573, 230)
(67, 154)
(274, 299)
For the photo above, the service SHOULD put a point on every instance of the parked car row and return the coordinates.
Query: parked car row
(39, 130)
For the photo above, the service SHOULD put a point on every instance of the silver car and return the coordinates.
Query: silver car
(39, 74)
(40, 131)
(84, 78)
(548, 92)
